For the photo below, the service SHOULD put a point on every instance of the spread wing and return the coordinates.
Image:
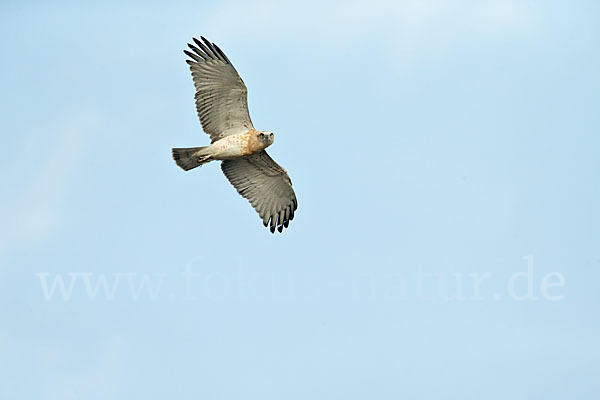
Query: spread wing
(266, 186)
(221, 95)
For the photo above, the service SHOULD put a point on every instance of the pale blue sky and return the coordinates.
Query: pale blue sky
(424, 138)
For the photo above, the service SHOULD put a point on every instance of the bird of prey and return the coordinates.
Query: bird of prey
(222, 105)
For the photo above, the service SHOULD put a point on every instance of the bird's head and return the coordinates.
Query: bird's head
(265, 137)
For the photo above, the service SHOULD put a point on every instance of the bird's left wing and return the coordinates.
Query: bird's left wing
(221, 95)
(266, 186)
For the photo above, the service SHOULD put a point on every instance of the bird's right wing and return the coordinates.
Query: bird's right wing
(266, 186)
(221, 95)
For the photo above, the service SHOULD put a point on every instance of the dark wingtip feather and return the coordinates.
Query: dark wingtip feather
(199, 54)
(211, 48)
(222, 54)
(192, 55)
(206, 50)
(202, 46)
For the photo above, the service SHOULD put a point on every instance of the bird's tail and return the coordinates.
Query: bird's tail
(191, 157)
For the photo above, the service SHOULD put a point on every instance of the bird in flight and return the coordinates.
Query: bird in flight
(222, 106)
